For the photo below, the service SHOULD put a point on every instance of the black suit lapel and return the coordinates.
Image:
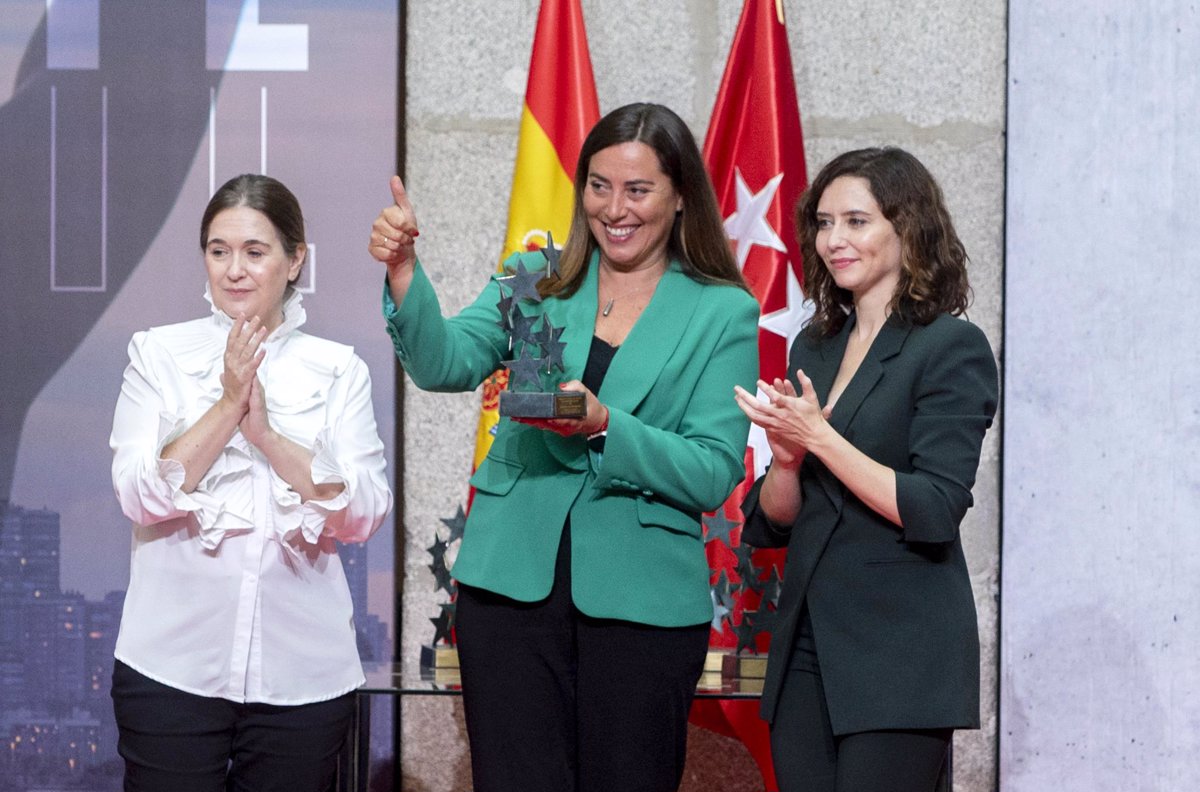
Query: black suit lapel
(824, 373)
(822, 369)
(887, 344)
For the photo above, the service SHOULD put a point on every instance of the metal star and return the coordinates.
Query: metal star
(524, 284)
(720, 612)
(551, 253)
(722, 598)
(745, 636)
(522, 327)
(763, 621)
(438, 548)
(455, 524)
(773, 588)
(552, 348)
(723, 591)
(523, 370)
(746, 569)
(443, 623)
(718, 526)
(438, 567)
(442, 575)
(505, 307)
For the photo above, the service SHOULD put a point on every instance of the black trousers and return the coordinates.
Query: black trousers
(556, 701)
(173, 741)
(809, 758)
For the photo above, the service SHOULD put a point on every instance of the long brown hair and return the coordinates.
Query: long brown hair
(697, 241)
(933, 261)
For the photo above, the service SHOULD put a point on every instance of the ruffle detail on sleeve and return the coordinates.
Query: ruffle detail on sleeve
(171, 471)
(308, 518)
(216, 516)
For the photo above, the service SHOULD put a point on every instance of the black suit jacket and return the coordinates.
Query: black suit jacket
(892, 609)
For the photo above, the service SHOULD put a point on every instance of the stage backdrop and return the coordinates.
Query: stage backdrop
(117, 120)
(1101, 632)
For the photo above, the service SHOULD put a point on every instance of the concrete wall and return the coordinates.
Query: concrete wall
(929, 76)
(1101, 479)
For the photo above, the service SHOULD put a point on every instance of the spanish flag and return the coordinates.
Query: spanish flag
(560, 109)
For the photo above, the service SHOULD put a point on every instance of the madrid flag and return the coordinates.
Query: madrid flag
(755, 154)
(560, 109)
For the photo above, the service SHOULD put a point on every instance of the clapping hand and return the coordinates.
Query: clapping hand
(244, 352)
(792, 421)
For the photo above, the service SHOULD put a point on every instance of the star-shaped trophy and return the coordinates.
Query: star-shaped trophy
(439, 658)
(536, 353)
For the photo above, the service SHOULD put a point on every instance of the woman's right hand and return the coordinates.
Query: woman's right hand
(394, 231)
(783, 453)
(244, 351)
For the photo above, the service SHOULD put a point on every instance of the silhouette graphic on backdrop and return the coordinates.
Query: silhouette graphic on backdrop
(51, 131)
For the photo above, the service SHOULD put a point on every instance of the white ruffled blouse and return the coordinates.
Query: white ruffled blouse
(236, 589)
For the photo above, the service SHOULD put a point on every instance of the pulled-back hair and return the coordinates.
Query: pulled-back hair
(268, 196)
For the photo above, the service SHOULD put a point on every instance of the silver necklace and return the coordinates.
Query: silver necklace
(608, 306)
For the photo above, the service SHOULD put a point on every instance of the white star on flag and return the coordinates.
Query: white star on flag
(787, 322)
(748, 225)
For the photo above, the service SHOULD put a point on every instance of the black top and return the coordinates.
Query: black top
(599, 358)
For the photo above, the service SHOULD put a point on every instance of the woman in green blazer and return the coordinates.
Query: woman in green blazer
(875, 653)
(583, 609)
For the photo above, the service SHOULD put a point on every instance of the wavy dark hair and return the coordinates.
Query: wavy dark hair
(933, 261)
(698, 240)
(268, 196)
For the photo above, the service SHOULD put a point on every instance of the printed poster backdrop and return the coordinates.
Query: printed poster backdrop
(117, 121)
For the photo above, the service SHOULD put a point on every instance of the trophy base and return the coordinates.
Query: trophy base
(556, 404)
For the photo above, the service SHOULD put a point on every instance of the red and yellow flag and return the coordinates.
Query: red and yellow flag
(560, 109)
(755, 154)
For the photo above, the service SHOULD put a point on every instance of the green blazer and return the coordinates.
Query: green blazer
(892, 609)
(675, 446)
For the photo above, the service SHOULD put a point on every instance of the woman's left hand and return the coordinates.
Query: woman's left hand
(594, 421)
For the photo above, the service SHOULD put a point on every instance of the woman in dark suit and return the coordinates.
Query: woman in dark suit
(583, 609)
(875, 654)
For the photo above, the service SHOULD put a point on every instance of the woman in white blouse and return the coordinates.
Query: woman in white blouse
(244, 450)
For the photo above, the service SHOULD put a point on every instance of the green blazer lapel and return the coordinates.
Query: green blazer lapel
(653, 339)
(887, 344)
(578, 317)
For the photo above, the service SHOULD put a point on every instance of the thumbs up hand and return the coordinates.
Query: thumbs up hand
(394, 231)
